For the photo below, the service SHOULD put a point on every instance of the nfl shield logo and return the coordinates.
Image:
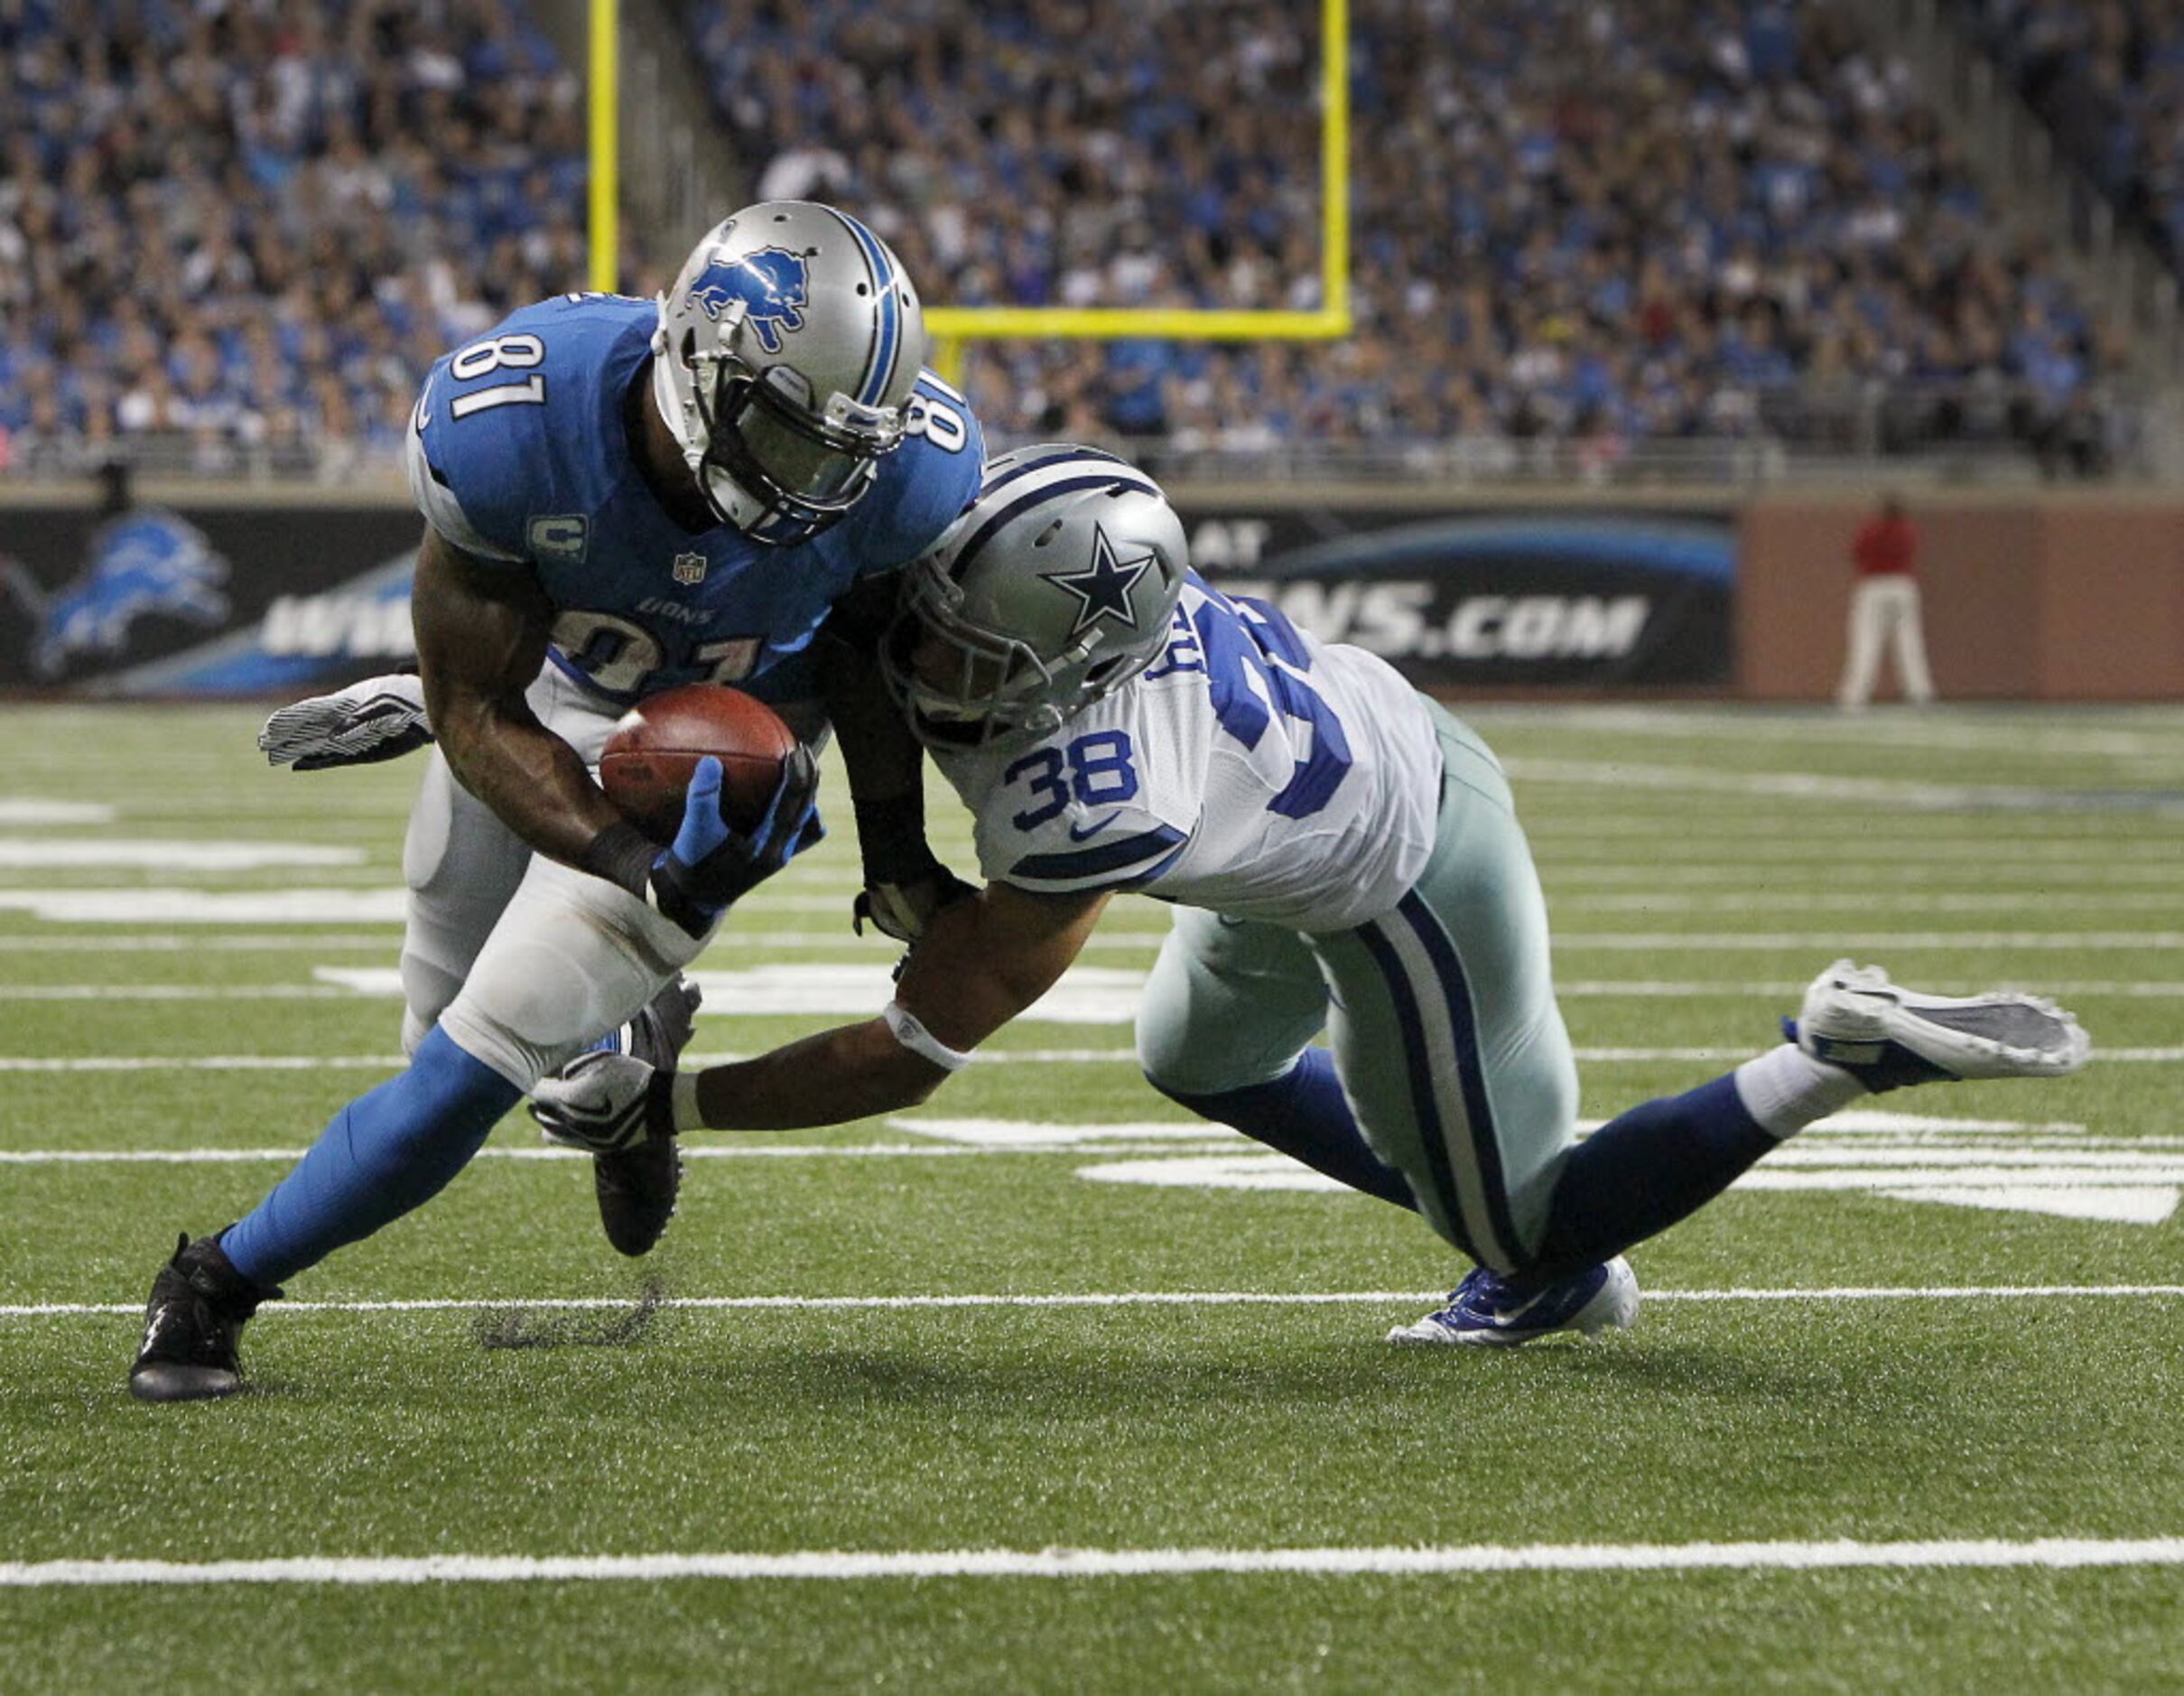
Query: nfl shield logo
(689, 568)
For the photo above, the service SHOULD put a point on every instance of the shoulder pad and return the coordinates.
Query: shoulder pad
(925, 484)
(436, 498)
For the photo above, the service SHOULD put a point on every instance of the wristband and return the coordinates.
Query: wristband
(903, 1027)
(623, 854)
(891, 838)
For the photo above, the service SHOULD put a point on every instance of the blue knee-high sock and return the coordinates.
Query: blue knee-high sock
(1642, 1171)
(1302, 1113)
(382, 1155)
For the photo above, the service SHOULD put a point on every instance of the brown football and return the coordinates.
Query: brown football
(649, 759)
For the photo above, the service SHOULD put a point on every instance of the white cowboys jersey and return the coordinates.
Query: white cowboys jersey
(1251, 769)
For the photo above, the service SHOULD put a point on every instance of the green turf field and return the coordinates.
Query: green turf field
(1043, 1387)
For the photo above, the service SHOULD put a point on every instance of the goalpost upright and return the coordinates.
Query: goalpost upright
(953, 326)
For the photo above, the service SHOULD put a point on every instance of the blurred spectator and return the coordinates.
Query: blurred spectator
(244, 227)
(2107, 77)
(1575, 220)
(249, 225)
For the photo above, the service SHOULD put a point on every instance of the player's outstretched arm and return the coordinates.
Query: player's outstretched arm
(906, 884)
(481, 637)
(981, 963)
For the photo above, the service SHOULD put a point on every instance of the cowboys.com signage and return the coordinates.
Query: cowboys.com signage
(1482, 599)
(269, 601)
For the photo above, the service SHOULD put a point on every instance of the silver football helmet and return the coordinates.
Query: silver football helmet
(786, 351)
(1058, 586)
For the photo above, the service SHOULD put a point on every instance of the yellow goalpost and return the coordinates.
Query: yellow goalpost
(953, 326)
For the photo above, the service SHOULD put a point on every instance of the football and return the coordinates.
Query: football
(648, 760)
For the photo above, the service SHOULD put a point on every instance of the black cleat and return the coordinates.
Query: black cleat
(197, 1312)
(636, 1186)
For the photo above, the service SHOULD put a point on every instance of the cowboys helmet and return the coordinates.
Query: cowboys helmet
(1056, 586)
(786, 352)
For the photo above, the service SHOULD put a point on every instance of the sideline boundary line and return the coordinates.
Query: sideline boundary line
(837, 1564)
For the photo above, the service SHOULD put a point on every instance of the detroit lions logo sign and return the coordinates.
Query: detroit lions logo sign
(141, 564)
(769, 285)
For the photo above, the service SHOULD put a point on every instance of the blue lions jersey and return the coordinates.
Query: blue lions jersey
(519, 453)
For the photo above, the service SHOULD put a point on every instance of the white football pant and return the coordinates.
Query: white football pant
(523, 961)
(1884, 613)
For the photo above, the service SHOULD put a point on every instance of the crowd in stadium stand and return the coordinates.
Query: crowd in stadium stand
(251, 225)
(1656, 219)
(2107, 77)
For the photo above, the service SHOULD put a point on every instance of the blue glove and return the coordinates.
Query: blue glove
(710, 864)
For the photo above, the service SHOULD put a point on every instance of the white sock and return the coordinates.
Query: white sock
(1786, 1089)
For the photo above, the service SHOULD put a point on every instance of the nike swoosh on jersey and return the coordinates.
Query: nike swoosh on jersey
(1086, 834)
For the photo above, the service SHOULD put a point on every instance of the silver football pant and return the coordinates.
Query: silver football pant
(1441, 1015)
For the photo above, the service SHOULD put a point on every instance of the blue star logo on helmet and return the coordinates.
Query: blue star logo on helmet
(770, 284)
(1104, 587)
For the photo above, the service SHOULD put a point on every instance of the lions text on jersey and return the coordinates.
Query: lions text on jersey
(519, 452)
(1250, 768)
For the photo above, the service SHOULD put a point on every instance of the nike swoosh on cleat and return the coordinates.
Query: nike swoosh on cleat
(1502, 1319)
(1076, 834)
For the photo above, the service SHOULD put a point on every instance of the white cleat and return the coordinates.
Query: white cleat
(1888, 1037)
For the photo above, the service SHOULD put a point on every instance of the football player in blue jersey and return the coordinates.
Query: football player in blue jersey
(620, 496)
(1340, 852)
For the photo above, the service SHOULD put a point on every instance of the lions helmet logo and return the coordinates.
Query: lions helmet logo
(768, 283)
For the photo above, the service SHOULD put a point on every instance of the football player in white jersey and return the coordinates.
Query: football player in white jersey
(1343, 855)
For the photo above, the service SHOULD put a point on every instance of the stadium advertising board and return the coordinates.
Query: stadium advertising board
(1494, 598)
(214, 600)
(266, 599)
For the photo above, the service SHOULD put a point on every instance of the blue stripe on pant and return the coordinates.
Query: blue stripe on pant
(1424, 980)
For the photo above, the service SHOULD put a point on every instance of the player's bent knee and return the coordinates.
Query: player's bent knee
(1178, 1061)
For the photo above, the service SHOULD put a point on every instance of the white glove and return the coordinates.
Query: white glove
(603, 1103)
(902, 910)
(378, 719)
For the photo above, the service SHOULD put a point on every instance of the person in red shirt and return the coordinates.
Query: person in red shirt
(1884, 610)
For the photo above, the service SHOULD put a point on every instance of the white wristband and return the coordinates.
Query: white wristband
(903, 1025)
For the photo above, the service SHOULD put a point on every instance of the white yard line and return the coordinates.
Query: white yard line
(1634, 989)
(30, 809)
(1210, 1136)
(1787, 878)
(177, 854)
(854, 1565)
(1876, 793)
(1871, 941)
(387, 940)
(1867, 901)
(208, 942)
(996, 1057)
(1121, 1298)
(1672, 989)
(174, 992)
(2157, 732)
